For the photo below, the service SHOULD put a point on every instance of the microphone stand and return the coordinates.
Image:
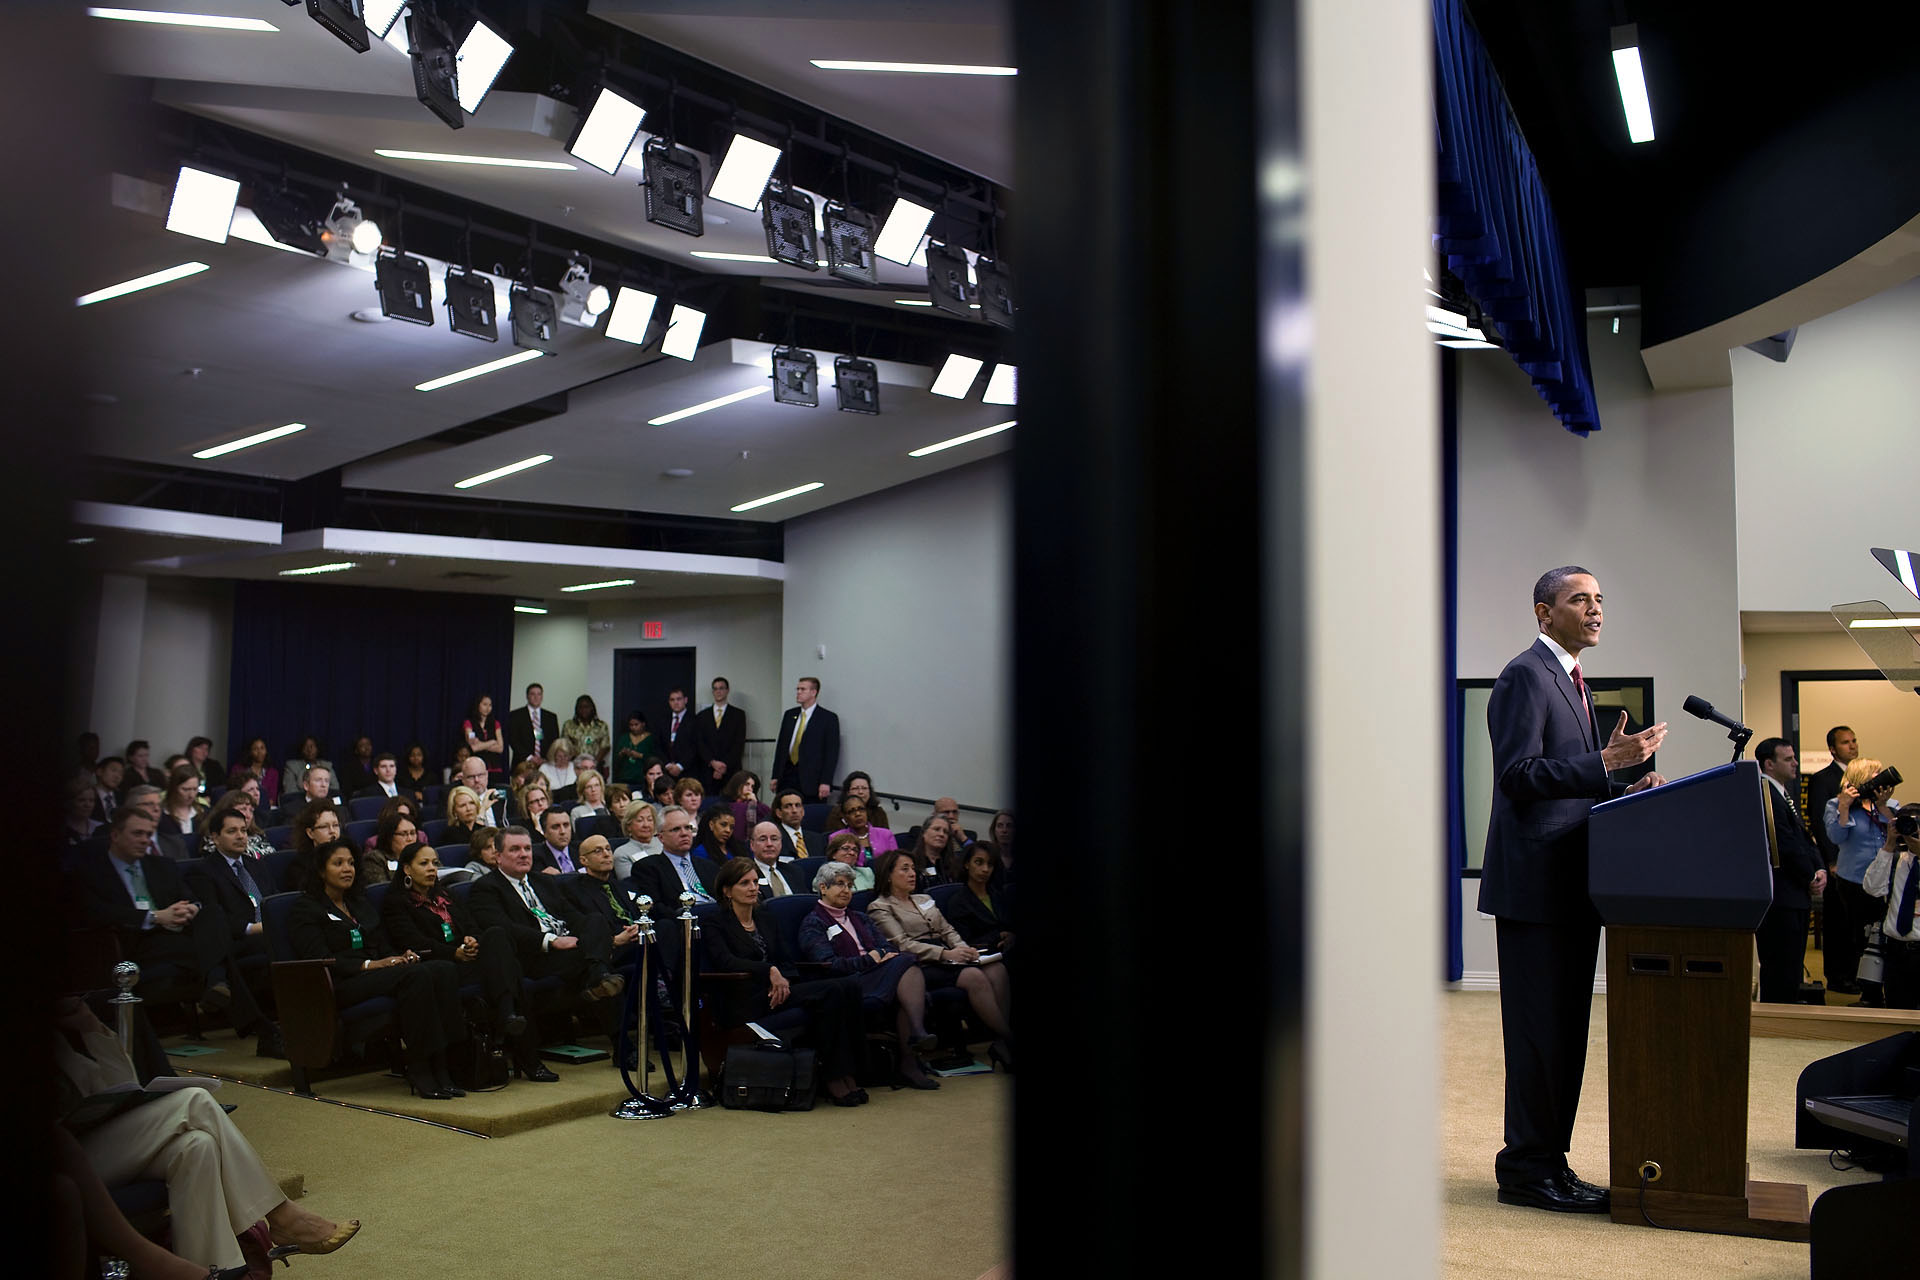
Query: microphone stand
(641, 1105)
(1739, 737)
(687, 1096)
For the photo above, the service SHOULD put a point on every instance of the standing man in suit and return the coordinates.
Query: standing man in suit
(677, 738)
(1550, 765)
(809, 747)
(386, 769)
(719, 738)
(1797, 873)
(108, 776)
(531, 728)
(1844, 747)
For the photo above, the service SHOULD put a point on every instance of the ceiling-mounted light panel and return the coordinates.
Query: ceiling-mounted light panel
(202, 205)
(607, 131)
(744, 172)
(899, 237)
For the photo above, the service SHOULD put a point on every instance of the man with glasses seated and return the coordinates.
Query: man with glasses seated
(550, 934)
(664, 876)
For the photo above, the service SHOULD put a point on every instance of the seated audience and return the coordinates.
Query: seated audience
(689, 794)
(107, 776)
(835, 935)
(356, 771)
(81, 803)
(181, 805)
(315, 825)
(550, 935)
(255, 764)
(534, 799)
(165, 843)
(412, 774)
(980, 911)
(384, 780)
(1000, 831)
(949, 808)
(306, 756)
(483, 855)
(1894, 875)
(791, 811)
(587, 734)
(397, 829)
(199, 755)
(653, 770)
(596, 892)
(929, 852)
(224, 877)
(664, 876)
(661, 788)
(742, 794)
(472, 774)
(911, 922)
(86, 754)
(552, 855)
(641, 841)
(633, 751)
(316, 786)
(463, 814)
(333, 921)
(140, 771)
(845, 851)
(256, 844)
(558, 769)
(249, 786)
(482, 734)
(764, 849)
(619, 796)
(874, 841)
(743, 940)
(716, 836)
(858, 786)
(591, 790)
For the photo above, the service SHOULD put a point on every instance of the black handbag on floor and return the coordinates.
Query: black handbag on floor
(479, 1065)
(767, 1077)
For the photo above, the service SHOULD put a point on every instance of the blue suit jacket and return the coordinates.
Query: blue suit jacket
(1547, 776)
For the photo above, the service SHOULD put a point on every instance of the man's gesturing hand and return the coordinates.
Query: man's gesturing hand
(1624, 750)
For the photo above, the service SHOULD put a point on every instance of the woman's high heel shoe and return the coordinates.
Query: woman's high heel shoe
(443, 1076)
(901, 1080)
(342, 1233)
(423, 1086)
(1002, 1055)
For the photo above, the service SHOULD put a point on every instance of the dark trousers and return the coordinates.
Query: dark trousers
(1782, 940)
(188, 962)
(1903, 973)
(426, 997)
(1546, 999)
(583, 965)
(1850, 911)
(496, 968)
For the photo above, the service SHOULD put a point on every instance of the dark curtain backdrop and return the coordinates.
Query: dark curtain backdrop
(337, 662)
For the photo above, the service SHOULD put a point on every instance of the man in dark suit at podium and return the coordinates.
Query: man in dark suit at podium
(1797, 873)
(1550, 766)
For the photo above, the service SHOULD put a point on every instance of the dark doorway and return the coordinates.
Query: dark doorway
(642, 679)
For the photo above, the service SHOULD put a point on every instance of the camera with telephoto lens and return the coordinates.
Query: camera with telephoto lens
(1907, 822)
(1885, 780)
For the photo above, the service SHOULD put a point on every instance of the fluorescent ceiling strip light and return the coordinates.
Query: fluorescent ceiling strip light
(968, 438)
(632, 314)
(712, 256)
(744, 172)
(512, 467)
(912, 302)
(1868, 624)
(721, 403)
(336, 567)
(607, 136)
(498, 162)
(504, 362)
(212, 21)
(203, 205)
(1633, 93)
(527, 608)
(1467, 344)
(956, 377)
(478, 64)
(598, 586)
(380, 15)
(1002, 385)
(135, 285)
(683, 332)
(914, 68)
(780, 496)
(247, 442)
(899, 238)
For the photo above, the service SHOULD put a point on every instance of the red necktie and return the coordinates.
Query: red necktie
(1580, 689)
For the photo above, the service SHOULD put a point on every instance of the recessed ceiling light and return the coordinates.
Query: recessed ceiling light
(712, 256)
(916, 68)
(504, 362)
(203, 204)
(1867, 624)
(678, 473)
(512, 467)
(956, 376)
(744, 172)
(780, 496)
(899, 238)
(247, 442)
(211, 21)
(336, 567)
(607, 132)
(683, 332)
(79, 542)
(498, 162)
(478, 64)
(528, 608)
(912, 302)
(632, 315)
(721, 403)
(981, 434)
(1002, 385)
(1633, 83)
(138, 283)
(599, 586)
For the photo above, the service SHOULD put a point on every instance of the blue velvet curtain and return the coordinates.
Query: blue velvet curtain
(1495, 223)
(337, 662)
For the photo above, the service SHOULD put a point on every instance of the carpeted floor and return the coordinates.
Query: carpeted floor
(1491, 1240)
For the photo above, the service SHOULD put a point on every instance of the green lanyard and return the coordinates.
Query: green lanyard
(618, 910)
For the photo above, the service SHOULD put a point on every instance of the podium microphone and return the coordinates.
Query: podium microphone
(1737, 733)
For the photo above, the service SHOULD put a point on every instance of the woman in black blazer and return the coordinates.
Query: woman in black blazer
(333, 922)
(743, 940)
(981, 910)
(424, 918)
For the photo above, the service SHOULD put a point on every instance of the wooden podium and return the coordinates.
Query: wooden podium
(1681, 875)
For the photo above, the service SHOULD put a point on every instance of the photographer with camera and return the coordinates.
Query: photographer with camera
(1895, 875)
(1857, 820)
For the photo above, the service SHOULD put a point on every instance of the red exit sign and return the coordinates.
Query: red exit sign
(653, 630)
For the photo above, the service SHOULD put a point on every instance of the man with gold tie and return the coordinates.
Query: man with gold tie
(808, 749)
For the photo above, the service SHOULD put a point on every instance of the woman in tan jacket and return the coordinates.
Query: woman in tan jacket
(915, 926)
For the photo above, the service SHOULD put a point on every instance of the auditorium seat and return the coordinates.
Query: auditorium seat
(316, 1030)
(365, 808)
(801, 871)
(862, 899)
(786, 914)
(214, 794)
(942, 894)
(280, 837)
(435, 828)
(454, 855)
(816, 814)
(436, 796)
(358, 833)
(582, 828)
(276, 872)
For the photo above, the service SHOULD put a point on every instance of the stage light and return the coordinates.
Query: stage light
(138, 283)
(348, 231)
(247, 442)
(491, 366)
(744, 172)
(582, 302)
(606, 132)
(850, 245)
(534, 314)
(857, 384)
(202, 205)
(210, 21)
(1002, 385)
(405, 286)
(632, 316)
(671, 176)
(483, 55)
(498, 162)
(1633, 83)
(683, 332)
(470, 307)
(380, 15)
(342, 17)
(968, 438)
(600, 586)
(796, 377)
(947, 280)
(781, 496)
(289, 220)
(511, 468)
(706, 406)
(995, 292)
(336, 567)
(436, 67)
(787, 215)
(899, 237)
(956, 377)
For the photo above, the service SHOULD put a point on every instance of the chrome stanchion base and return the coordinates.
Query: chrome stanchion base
(642, 1109)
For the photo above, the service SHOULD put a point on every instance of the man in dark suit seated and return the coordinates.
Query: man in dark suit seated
(178, 943)
(808, 749)
(386, 769)
(1797, 873)
(1550, 766)
(765, 847)
(556, 833)
(796, 841)
(595, 892)
(107, 778)
(165, 844)
(317, 785)
(550, 934)
(664, 876)
(225, 878)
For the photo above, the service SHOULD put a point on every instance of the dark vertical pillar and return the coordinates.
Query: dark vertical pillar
(1158, 882)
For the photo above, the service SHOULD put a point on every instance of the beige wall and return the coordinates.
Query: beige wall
(1887, 720)
(1766, 654)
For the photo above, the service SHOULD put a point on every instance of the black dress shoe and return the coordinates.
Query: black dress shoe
(1574, 1182)
(1556, 1194)
(537, 1073)
(271, 1044)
